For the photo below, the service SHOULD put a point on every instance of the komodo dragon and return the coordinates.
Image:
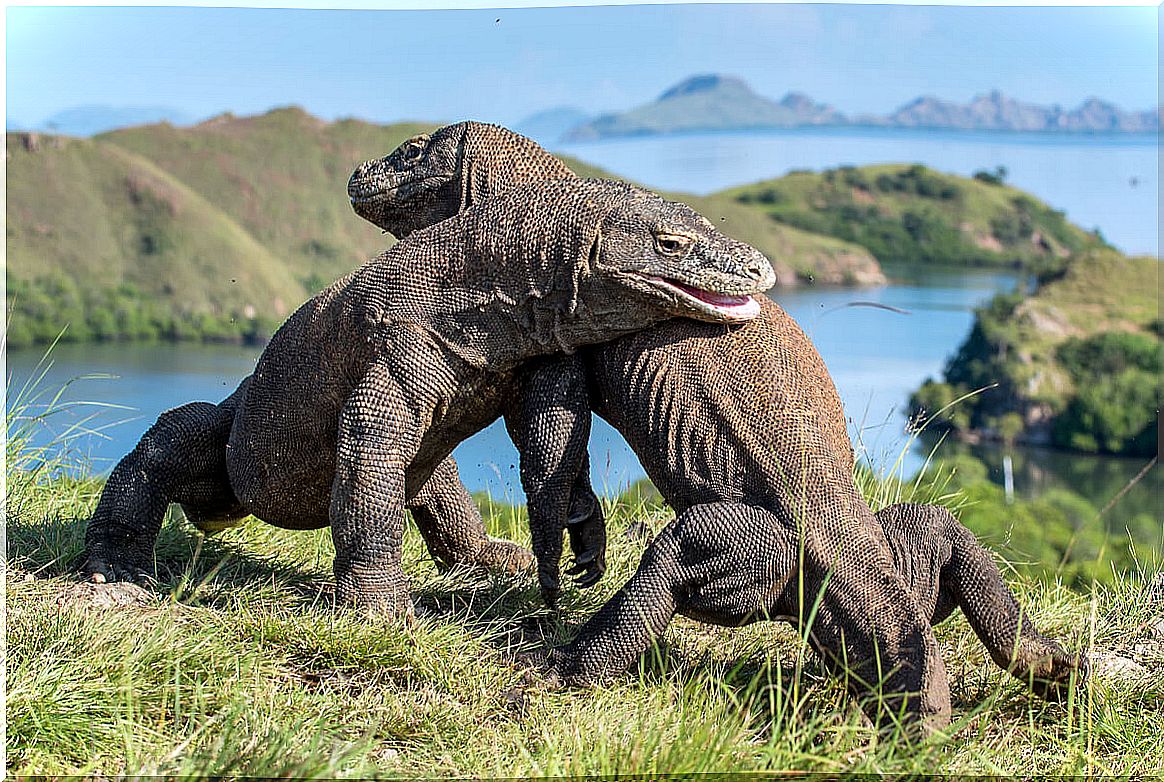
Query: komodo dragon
(724, 415)
(369, 385)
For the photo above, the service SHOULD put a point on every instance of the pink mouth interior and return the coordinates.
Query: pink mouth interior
(715, 299)
(737, 306)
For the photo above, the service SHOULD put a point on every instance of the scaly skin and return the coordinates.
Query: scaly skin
(743, 433)
(419, 184)
(732, 564)
(363, 393)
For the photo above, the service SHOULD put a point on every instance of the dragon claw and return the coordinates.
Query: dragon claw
(98, 570)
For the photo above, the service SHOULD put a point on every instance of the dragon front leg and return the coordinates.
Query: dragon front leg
(550, 425)
(379, 435)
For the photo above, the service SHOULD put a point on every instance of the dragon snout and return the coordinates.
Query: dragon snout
(365, 180)
(755, 266)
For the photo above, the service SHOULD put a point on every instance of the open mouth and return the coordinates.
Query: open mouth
(723, 305)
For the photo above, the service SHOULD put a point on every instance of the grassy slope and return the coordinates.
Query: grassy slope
(798, 256)
(283, 176)
(101, 217)
(912, 213)
(251, 211)
(1105, 291)
(236, 213)
(1102, 291)
(237, 666)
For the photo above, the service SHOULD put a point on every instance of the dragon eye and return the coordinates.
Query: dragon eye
(412, 150)
(672, 244)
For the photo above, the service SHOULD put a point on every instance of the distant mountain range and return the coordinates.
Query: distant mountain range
(94, 119)
(708, 102)
(995, 111)
(715, 102)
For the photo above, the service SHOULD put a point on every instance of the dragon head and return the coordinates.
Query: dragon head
(672, 256)
(434, 176)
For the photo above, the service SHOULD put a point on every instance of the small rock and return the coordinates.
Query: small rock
(386, 754)
(1106, 666)
(119, 594)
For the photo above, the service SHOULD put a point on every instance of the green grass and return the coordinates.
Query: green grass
(237, 664)
(282, 176)
(215, 232)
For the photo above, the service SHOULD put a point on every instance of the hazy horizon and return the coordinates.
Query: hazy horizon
(504, 65)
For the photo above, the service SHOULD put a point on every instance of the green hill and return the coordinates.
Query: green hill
(214, 232)
(913, 214)
(109, 243)
(218, 231)
(283, 177)
(1078, 364)
(798, 256)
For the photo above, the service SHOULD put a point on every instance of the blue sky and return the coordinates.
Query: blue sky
(502, 65)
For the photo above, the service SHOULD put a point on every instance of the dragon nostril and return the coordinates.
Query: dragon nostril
(759, 268)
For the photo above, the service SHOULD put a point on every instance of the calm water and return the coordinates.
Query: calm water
(1089, 176)
(876, 358)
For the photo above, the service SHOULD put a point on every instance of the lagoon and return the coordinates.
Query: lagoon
(876, 357)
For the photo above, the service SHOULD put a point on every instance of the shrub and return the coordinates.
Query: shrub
(996, 177)
(1109, 353)
(39, 309)
(854, 177)
(1113, 414)
(1011, 227)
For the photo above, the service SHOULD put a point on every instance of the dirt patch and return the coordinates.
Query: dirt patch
(863, 197)
(983, 241)
(847, 268)
(1049, 321)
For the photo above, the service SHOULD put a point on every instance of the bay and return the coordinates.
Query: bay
(876, 357)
